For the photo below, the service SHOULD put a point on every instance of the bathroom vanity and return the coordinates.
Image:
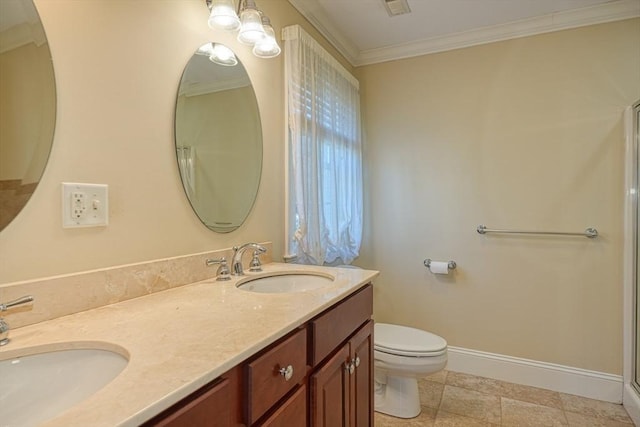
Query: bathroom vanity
(211, 354)
(320, 374)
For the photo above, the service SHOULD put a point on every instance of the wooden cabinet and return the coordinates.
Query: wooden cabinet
(334, 326)
(217, 404)
(320, 375)
(340, 384)
(329, 391)
(361, 388)
(292, 413)
(274, 373)
(342, 388)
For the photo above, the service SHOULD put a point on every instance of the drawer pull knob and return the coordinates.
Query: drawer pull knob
(287, 372)
(349, 366)
(356, 361)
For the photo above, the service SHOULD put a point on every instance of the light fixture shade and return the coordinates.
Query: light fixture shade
(222, 55)
(251, 29)
(267, 46)
(205, 49)
(223, 15)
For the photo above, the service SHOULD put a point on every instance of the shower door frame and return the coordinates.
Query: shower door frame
(635, 377)
(631, 392)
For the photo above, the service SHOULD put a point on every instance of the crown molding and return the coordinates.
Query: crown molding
(204, 88)
(322, 23)
(607, 12)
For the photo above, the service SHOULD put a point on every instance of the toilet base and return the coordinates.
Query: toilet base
(397, 396)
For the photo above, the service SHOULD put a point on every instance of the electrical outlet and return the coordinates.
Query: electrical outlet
(84, 205)
(77, 205)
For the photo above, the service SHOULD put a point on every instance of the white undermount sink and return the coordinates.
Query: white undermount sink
(286, 282)
(38, 387)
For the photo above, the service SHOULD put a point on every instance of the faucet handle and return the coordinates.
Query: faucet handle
(22, 300)
(223, 272)
(4, 327)
(255, 265)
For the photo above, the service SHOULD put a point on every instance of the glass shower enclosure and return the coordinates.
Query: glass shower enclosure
(636, 227)
(631, 324)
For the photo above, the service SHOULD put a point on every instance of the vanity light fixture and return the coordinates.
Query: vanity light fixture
(223, 55)
(205, 50)
(267, 46)
(223, 15)
(251, 29)
(254, 26)
(218, 53)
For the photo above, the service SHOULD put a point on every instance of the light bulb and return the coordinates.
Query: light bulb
(251, 29)
(267, 46)
(223, 15)
(205, 49)
(222, 55)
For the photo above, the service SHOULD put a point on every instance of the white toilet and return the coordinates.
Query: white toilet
(401, 356)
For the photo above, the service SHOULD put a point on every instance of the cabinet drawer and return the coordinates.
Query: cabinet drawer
(211, 406)
(336, 324)
(291, 413)
(265, 383)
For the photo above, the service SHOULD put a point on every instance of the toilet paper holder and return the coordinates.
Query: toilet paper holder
(451, 264)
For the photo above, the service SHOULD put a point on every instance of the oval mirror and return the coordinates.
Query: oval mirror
(218, 138)
(27, 105)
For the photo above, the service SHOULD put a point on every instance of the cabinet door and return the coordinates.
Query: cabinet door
(330, 391)
(361, 390)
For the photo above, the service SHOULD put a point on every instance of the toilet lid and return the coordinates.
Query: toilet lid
(406, 341)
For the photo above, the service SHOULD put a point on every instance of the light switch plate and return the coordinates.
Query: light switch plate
(85, 205)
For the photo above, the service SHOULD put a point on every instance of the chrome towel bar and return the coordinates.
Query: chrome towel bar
(589, 232)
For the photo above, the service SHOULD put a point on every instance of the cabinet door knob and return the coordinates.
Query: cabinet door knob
(349, 366)
(356, 361)
(287, 372)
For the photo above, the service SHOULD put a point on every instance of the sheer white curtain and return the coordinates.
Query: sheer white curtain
(324, 223)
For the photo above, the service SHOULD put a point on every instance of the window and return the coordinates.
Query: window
(324, 180)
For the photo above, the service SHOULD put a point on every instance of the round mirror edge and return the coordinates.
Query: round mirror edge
(260, 158)
(50, 70)
(176, 147)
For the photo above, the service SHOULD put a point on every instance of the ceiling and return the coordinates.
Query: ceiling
(364, 33)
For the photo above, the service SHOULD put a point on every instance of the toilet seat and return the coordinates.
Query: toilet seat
(406, 341)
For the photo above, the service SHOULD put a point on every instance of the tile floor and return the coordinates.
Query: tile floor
(454, 399)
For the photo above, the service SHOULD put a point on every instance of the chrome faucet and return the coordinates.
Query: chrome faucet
(4, 326)
(238, 251)
(223, 270)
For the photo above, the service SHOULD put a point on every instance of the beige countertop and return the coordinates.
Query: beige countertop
(178, 340)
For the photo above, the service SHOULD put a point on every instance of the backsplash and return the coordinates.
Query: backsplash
(62, 295)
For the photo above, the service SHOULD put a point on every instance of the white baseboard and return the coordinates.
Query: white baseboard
(632, 403)
(564, 379)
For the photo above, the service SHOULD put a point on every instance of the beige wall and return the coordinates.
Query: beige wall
(525, 134)
(522, 134)
(118, 65)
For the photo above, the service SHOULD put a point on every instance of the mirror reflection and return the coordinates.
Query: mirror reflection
(27, 105)
(218, 138)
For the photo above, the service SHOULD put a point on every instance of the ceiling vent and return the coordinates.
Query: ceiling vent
(396, 7)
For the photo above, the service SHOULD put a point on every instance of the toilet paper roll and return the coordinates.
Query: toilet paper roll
(439, 267)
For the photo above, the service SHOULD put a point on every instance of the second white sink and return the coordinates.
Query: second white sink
(37, 387)
(286, 282)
